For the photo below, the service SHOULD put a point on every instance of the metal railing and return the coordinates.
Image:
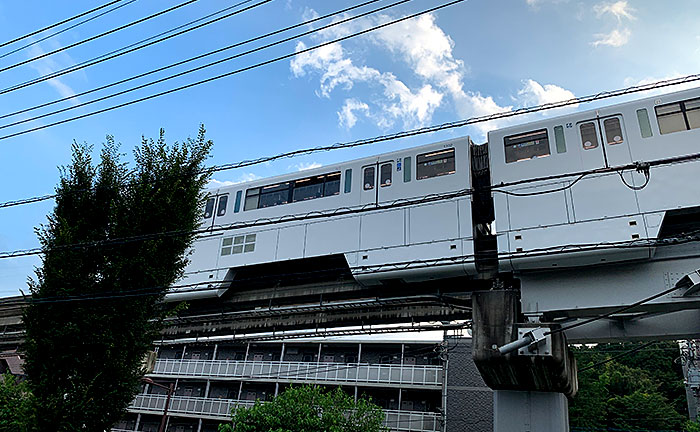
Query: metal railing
(396, 420)
(422, 375)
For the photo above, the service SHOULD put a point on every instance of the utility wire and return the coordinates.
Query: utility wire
(134, 46)
(430, 129)
(198, 68)
(92, 38)
(615, 357)
(66, 29)
(80, 15)
(234, 72)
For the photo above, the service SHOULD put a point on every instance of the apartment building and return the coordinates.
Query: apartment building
(408, 379)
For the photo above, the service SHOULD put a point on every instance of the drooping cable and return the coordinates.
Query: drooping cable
(198, 68)
(227, 74)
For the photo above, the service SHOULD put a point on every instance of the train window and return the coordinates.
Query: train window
(221, 208)
(407, 169)
(560, 139)
(433, 164)
(692, 113)
(385, 175)
(613, 131)
(526, 146)
(332, 186)
(679, 116)
(589, 135)
(308, 188)
(274, 195)
(368, 178)
(348, 180)
(671, 118)
(237, 205)
(209, 208)
(644, 124)
(252, 196)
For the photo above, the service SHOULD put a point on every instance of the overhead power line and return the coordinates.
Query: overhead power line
(92, 38)
(234, 72)
(152, 40)
(425, 130)
(60, 23)
(198, 68)
(66, 29)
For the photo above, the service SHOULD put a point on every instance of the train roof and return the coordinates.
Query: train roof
(681, 94)
(325, 169)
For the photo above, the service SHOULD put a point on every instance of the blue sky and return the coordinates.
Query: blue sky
(473, 58)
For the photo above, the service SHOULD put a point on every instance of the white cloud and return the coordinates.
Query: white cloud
(303, 166)
(619, 9)
(534, 93)
(615, 38)
(437, 76)
(346, 115)
(399, 102)
(48, 65)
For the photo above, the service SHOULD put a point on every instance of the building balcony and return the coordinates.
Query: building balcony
(220, 409)
(303, 372)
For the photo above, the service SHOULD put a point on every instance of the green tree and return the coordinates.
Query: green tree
(308, 409)
(95, 308)
(638, 392)
(15, 405)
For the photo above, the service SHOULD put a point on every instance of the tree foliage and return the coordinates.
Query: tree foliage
(308, 409)
(95, 307)
(639, 392)
(16, 413)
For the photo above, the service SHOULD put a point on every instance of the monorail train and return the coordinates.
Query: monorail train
(562, 191)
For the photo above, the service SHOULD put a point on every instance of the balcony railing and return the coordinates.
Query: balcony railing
(220, 409)
(420, 375)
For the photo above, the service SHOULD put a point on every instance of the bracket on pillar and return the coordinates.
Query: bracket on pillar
(690, 282)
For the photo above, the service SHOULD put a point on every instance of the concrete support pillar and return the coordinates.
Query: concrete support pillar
(530, 411)
(530, 387)
(138, 422)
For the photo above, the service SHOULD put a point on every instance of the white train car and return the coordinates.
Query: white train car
(378, 245)
(602, 217)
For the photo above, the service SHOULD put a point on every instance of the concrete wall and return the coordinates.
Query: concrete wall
(469, 402)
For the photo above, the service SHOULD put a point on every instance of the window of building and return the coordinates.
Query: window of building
(348, 180)
(221, 208)
(613, 131)
(209, 208)
(368, 178)
(589, 135)
(644, 123)
(434, 164)
(407, 169)
(237, 205)
(560, 139)
(525, 146)
(385, 175)
(678, 116)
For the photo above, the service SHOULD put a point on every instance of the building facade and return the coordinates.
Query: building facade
(417, 383)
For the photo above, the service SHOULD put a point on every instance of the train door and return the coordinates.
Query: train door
(215, 207)
(604, 143)
(378, 182)
(370, 186)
